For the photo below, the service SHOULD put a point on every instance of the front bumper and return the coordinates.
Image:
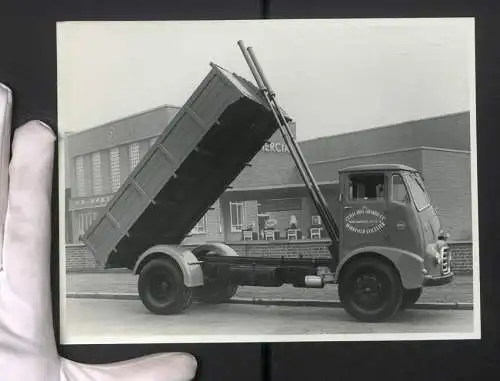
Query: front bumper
(431, 281)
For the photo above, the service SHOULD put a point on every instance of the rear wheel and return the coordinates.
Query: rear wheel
(161, 287)
(410, 297)
(370, 290)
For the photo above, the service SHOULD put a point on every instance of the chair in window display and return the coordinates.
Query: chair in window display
(293, 232)
(270, 232)
(249, 233)
(316, 230)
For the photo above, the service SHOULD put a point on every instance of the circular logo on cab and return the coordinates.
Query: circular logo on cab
(364, 221)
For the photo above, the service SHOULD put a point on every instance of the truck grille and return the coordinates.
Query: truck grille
(446, 264)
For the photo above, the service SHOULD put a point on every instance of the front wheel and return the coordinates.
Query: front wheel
(370, 290)
(161, 287)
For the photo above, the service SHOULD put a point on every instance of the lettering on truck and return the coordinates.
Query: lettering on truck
(365, 221)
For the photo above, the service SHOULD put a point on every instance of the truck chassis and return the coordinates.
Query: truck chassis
(370, 288)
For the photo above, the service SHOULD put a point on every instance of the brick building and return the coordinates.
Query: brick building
(99, 159)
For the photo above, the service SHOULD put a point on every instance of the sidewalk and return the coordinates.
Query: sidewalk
(125, 285)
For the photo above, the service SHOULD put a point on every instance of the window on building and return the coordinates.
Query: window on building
(96, 173)
(399, 192)
(366, 187)
(316, 220)
(236, 209)
(201, 226)
(134, 155)
(114, 159)
(84, 221)
(80, 176)
(219, 222)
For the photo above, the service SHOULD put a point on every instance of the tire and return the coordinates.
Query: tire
(410, 297)
(214, 293)
(370, 290)
(161, 288)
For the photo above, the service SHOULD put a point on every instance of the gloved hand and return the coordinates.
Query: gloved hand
(27, 345)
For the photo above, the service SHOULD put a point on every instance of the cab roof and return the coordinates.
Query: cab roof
(378, 167)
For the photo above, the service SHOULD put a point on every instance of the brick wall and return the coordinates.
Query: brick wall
(78, 258)
(448, 131)
(447, 177)
(287, 249)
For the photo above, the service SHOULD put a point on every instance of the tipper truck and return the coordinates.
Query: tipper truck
(387, 243)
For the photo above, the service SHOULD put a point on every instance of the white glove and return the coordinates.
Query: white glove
(27, 345)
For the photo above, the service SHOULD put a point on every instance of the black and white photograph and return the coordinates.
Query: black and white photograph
(268, 180)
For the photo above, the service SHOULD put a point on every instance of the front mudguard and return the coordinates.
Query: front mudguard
(408, 265)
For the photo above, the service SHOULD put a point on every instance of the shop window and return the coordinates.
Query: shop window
(219, 222)
(80, 177)
(201, 226)
(236, 210)
(134, 155)
(366, 187)
(280, 205)
(399, 192)
(114, 159)
(84, 221)
(96, 174)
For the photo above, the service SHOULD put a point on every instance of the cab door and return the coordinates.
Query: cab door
(402, 221)
(364, 207)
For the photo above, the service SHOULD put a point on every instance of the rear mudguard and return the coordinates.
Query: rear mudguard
(409, 265)
(185, 259)
(216, 248)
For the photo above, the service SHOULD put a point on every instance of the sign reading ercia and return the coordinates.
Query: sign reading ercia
(364, 221)
(275, 147)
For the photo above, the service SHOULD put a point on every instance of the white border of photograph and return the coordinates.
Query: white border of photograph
(131, 339)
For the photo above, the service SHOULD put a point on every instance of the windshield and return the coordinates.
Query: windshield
(417, 190)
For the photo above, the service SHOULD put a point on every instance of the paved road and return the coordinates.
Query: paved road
(125, 321)
(460, 290)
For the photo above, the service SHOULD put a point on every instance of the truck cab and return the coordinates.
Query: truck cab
(387, 216)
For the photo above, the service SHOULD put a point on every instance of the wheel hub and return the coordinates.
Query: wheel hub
(368, 291)
(160, 287)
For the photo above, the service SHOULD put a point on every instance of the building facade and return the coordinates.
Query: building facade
(268, 198)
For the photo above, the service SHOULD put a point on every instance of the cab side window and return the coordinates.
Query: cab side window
(399, 192)
(366, 187)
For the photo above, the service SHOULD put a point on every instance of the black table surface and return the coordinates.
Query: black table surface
(28, 65)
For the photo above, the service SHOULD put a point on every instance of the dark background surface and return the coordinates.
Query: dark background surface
(28, 66)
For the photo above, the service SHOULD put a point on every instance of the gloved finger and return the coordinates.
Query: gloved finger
(26, 290)
(158, 367)
(5, 116)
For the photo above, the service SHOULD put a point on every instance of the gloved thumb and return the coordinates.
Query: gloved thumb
(158, 367)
